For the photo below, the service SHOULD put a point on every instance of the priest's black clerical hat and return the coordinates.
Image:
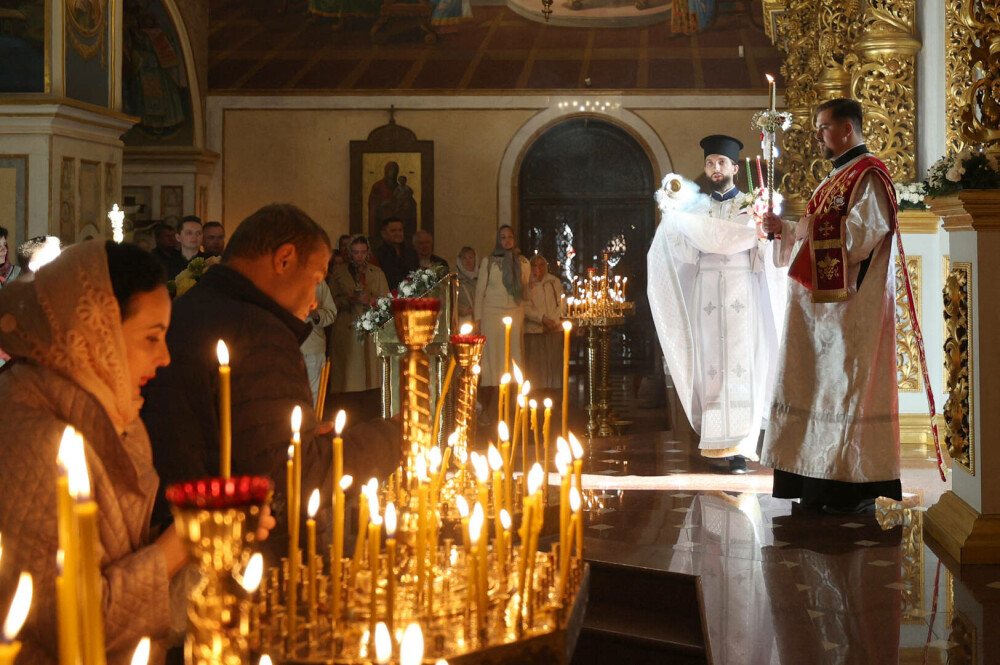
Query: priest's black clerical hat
(720, 144)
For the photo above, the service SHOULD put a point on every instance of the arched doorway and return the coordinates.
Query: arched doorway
(586, 186)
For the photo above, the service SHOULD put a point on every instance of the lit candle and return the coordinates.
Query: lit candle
(502, 398)
(311, 553)
(383, 643)
(505, 453)
(225, 410)
(507, 321)
(390, 568)
(432, 546)
(477, 532)
(522, 401)
(565, 475)
(411, 649)
(577, 507)
(92, 614)
(527, 517)
(462, 506)
(359, 544)
(290, 575)
(565, 540)
(141, 654)
(69, 617)
(577, 449)
(567, 328)
(496, 463)
(505, 544)
(374, 545)
(517, 426)
(771, 90)
(9, 648)
(546, 430)
(534, 486)
(537, 436)
(336, 565)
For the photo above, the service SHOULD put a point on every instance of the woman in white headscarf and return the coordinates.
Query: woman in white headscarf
(543, 336)
(468, 275)
(500, 291)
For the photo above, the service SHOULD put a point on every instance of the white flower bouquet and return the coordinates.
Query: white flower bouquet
(967, 169)
(417, 284)
(911, 195)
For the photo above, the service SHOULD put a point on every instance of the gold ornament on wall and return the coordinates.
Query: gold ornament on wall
(907, 353)
(959, 432)
(87, 27)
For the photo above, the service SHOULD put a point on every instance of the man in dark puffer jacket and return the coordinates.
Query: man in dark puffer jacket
(256, 301)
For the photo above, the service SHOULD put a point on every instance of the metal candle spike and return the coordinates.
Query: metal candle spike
(770, 121)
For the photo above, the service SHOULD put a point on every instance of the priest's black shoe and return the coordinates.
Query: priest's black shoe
(863, 507)
(738, 465)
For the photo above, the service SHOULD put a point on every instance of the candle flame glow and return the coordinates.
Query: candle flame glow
(535, 478)
(338, 424)
(563, 448)
(520, 401)
(376, 519)
(435, 455)
(66, 447)
(482, 468)
(479, 513)
(462, 506)
(296, 419)
(518, 375)
(421, 465)
(547, 403)
(79, 476)
(411, 650)
(254, 573)
(576, 447)
(770, 79)
(313, 504)
(493, 455)
(452, 439)
(475, 526)
(264, 660)
(502, 431)
(567, 325)
(526, 388)
(507, 320)
(383, 643)
(466, 329)
(505, 379)
(533, 404)
(222, 351)
(505, 520)
(345, 481)
(476, 369)
(390, 519)
(291, 453)
(18, 608)
(141, 654)
(574, 499)
(561, 465)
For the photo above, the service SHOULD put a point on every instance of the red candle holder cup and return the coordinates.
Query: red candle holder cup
(219, 493)
(468, 339)
(415, 305)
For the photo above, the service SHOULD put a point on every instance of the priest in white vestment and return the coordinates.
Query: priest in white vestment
(708, 292)
(833, 437)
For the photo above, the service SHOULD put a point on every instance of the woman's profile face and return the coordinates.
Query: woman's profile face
(506, 238)
(145, 332)
(3, 250)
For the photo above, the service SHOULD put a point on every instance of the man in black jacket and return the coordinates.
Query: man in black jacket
(396, 259)
(256, 300)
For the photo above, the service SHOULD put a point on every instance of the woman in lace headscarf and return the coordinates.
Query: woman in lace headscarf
(85, 335)
(500, 290)
(468, 275)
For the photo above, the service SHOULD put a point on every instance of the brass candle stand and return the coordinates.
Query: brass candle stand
(467, 350)
(415, 319)
(598, 304)
(217, 520)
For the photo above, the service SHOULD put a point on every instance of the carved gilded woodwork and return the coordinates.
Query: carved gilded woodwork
(945, 271)
(907, 353)
(959, 431)
(972, 71)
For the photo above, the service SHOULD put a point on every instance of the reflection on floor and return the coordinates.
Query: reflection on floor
(778, 584)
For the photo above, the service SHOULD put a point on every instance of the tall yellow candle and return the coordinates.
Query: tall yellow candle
(525, 417)
(536, 435)
(516, 433)
(533, 488)
(225, 411)
(502, 398)
(390, 567)
(69, 619)
(92, 614)
(421, 532)
(506, 541)
(577, 449)
(507, 322)
(374, 543)
(772, 90)
(546, 430)
(577, 508)
(496, 463)
(9, 648)
(527, 517)
(294, 526)
(359, 543)
(478, 534)
(432, 546)
(311, 554)
(336, 565)
(505, 453)
(69, 610)
(462, 506)
(472, 563)
(567, 328)
(482, 483)
(565, 542)
(565, 476)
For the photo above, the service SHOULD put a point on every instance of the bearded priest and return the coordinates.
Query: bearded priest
(711, 306)
(833, 437)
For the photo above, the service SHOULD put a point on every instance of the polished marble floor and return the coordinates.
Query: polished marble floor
(782, 585)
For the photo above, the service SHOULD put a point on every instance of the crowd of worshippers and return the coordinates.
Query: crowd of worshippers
(97, 343)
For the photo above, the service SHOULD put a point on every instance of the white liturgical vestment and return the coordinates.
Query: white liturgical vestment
(708, 292)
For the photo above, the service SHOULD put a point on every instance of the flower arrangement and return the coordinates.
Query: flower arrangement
(188, 277)
(966, 169)
(416, 284)
(910, 196)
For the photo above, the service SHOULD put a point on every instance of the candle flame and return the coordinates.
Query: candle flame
(313, 504)
(66, 448)
(411, 650)
(79, 476)
(505, 520)
(264, 660)
(520, 401)
(254, 573)
(441, 661)
(561, 465)
(476, 369)
(533, 404)
(345, 481)
(518, 374)
(770, 79)
(421, 465)
(475, 525)
(462, 506)
(390, 519)
(547, 403)
(563, 448)
(453, 439)
(482, 468)
(376, 519)
(222, 351)
(505, 379)
(372, 486)
(383, 643)
(526, 388)
(296, 419)
(141, 654)
(435, 455)
(338, 424)
(507, 320)
(567, 325)
(18, 608)
(493, 455)
(465, 329)
(291, 453)
(576, 447)
(574, 499)
(503, 431)
(479, 514)
(535, 478)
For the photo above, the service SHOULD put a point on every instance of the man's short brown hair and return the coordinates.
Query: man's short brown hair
(844, 109)
(274, 225)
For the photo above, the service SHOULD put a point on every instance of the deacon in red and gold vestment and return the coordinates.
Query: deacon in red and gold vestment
(833, 436)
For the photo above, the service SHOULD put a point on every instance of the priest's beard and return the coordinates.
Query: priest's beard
(722, 186)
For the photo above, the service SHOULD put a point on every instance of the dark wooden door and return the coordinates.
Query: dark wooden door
(585, 187)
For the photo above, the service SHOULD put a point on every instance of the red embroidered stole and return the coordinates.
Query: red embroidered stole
(821, 263)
